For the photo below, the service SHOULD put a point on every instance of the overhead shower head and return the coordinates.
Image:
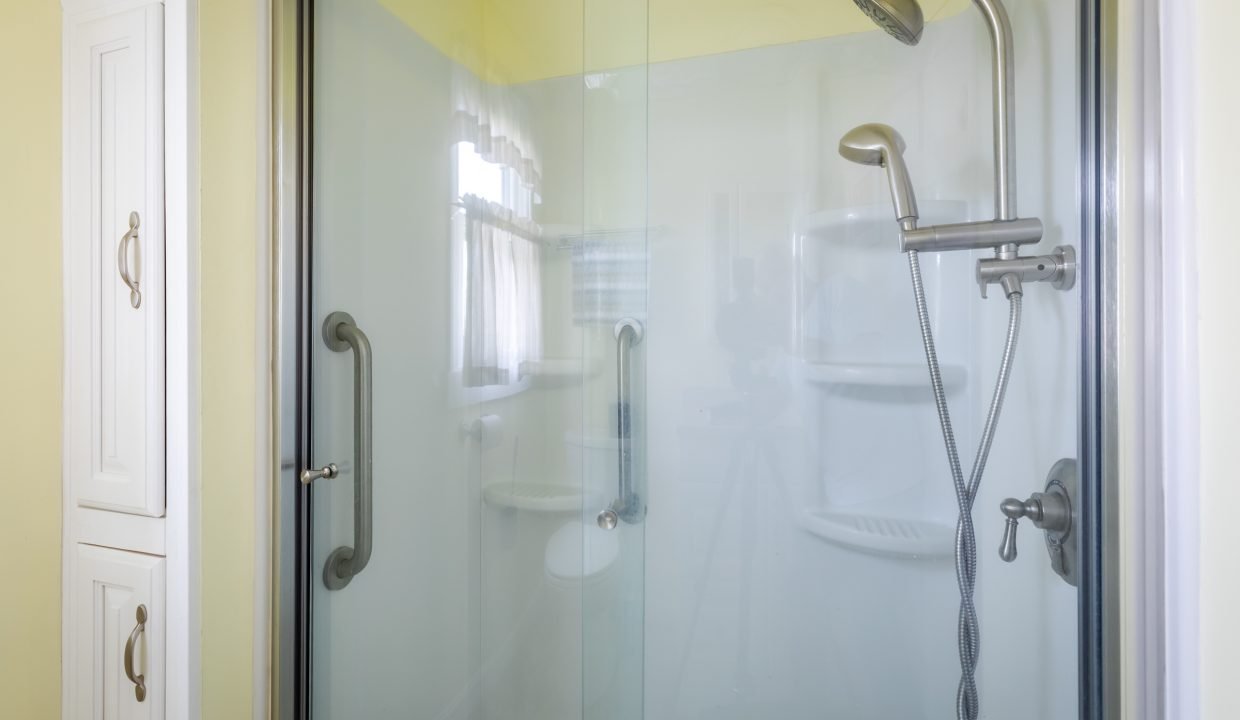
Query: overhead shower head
(902, 19)
(881, 145)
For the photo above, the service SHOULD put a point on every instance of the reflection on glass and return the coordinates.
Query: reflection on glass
(489, 223)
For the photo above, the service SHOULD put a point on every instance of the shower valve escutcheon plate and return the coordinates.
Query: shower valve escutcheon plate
(1054, 512)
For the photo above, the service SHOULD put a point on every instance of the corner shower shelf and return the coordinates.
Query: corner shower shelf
(533, 497)
(901, 537)
(556, 372)
(828, 222)
(895, 375)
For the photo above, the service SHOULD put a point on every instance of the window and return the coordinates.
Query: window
(496, 260)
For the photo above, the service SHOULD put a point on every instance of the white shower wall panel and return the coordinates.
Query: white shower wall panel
(747, 614)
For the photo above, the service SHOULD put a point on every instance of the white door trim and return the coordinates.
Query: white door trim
(1159, 393)
(1178, 353)
(181, 121)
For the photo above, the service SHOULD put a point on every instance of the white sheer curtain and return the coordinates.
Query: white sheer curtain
(491, 117)
(497, 243)
(503, 294)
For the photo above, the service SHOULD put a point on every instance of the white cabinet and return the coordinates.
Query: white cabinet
(114, 260)
(114, 436)
(116, 620)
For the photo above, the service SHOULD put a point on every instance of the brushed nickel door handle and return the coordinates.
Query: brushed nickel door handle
(122, 260)
(139, 681)
(628, 505)
(341, 333)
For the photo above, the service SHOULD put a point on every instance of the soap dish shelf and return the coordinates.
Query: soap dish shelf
(890, 375)
(556, 372)
(884, 535)
(534, 497)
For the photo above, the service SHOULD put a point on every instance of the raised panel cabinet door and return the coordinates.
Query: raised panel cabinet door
(116, 670)
(114, 260)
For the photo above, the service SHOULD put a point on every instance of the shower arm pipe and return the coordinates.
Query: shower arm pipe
(1003, 68)
(1006, 233)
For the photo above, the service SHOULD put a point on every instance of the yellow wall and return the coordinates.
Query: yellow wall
(228, 35)
(30, 383)
(515, 41)
(30, 376)
(1217, 154)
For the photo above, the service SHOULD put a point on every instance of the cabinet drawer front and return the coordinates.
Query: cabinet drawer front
(108, 588)
(114, 261)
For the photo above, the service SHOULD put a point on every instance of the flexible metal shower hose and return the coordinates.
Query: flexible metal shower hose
(967, 705)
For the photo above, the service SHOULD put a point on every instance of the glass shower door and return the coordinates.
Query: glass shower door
(477, 342)
(400, 637)
(627, 416)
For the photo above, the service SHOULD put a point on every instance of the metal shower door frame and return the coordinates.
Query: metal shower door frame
(292, 87)
(1098, 615)
(292, 127)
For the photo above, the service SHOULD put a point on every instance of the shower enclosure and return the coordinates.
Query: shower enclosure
(602, 389)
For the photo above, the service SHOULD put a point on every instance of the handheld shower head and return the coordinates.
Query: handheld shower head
(881, 145)
(902, 19)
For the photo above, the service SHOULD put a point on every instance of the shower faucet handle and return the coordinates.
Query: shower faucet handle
(1051, 511)
(1047, 511)
(1014, 510)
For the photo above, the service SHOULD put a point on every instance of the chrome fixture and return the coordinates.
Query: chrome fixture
(138, 679)
(341, 333)
(1058, 268)
(1003, 93)
(628, 505)
(875, 144)
(902, 19)
(1053, 511)
(971, 235)
(327, 472)
(880, 145)
(1006, 233)
(122, 260)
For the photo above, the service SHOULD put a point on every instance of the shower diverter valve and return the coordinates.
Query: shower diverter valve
(1058, 268)
(1051, 511)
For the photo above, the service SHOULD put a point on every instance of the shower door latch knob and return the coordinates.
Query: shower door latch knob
(1050, 511)
(327, 472)
(608, 519)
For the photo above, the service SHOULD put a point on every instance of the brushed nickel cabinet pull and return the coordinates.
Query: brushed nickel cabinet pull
(139, 681)
(122, 260)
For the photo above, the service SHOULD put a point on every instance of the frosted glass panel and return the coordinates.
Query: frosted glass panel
(800, 538)
(489, 224)
(486, 235)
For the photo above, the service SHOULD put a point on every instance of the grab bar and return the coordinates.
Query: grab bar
(341, 333)
(628, 506)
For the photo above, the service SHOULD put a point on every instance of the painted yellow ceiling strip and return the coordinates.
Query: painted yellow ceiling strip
(516, 41)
